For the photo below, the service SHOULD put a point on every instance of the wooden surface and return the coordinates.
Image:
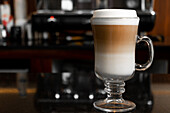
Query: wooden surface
(167, 21)
(41, 60)
(162, 24)
(161, 78)
(53, 54)
(161, 93)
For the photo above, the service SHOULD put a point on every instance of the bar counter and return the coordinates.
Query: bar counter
(40, 93)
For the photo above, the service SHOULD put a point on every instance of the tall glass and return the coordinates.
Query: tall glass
(115, 38)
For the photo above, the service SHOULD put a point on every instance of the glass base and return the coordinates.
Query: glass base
(114, 106)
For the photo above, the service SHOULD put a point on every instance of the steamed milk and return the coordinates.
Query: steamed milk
(114, 39)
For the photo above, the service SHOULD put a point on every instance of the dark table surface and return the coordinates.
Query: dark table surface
(33, 93)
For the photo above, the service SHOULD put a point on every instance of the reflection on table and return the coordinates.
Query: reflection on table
(75, 91)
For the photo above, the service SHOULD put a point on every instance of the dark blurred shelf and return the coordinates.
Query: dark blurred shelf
(41, 56)
(68, 46)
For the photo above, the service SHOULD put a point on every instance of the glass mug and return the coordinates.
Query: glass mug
(115, 38)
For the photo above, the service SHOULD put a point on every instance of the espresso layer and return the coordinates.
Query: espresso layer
(114, 39)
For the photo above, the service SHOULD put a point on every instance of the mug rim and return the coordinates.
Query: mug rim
(115, 21)
(115, 18)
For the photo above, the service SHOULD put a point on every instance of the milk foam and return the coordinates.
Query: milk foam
(114, 13)
(122, 64)
(114, 17)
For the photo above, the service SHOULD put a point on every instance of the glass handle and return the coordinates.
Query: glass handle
(148, 41)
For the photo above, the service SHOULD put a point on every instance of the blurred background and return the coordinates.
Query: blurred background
(47, 55)
(37, 35)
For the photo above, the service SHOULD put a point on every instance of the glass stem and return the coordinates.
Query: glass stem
(114, 90)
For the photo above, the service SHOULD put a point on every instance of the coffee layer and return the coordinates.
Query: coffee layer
(114, 38)
(114, 49)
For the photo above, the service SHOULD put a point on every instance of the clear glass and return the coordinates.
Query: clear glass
(115, 62)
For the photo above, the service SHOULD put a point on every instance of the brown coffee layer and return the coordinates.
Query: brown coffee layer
(114, 38)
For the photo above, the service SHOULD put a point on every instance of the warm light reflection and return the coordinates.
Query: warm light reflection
(15, 90)
(161, 92)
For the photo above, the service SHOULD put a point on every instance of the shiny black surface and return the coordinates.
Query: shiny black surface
(147, 20)
(81, 21)
(81, 89)
(63, 21)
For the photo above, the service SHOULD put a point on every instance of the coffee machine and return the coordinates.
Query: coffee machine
(69, 18)
(144, 10)
(79, 12)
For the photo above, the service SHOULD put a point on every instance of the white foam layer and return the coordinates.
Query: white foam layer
(114, 17)
(118, 13)
(115, 64)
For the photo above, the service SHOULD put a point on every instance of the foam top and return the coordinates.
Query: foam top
(115, 17)
(114, 13)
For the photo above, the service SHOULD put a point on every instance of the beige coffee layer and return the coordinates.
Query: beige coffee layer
(114, 38)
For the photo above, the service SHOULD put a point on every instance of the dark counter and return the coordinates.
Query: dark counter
(40, 93)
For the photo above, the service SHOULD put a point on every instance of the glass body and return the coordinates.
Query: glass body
(115, 42)
(114, 50)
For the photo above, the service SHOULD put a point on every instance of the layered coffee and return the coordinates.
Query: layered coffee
(115, 42)
(115, 38)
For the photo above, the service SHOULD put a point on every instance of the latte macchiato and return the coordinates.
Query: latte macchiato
(115, 39)
(115, 34)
